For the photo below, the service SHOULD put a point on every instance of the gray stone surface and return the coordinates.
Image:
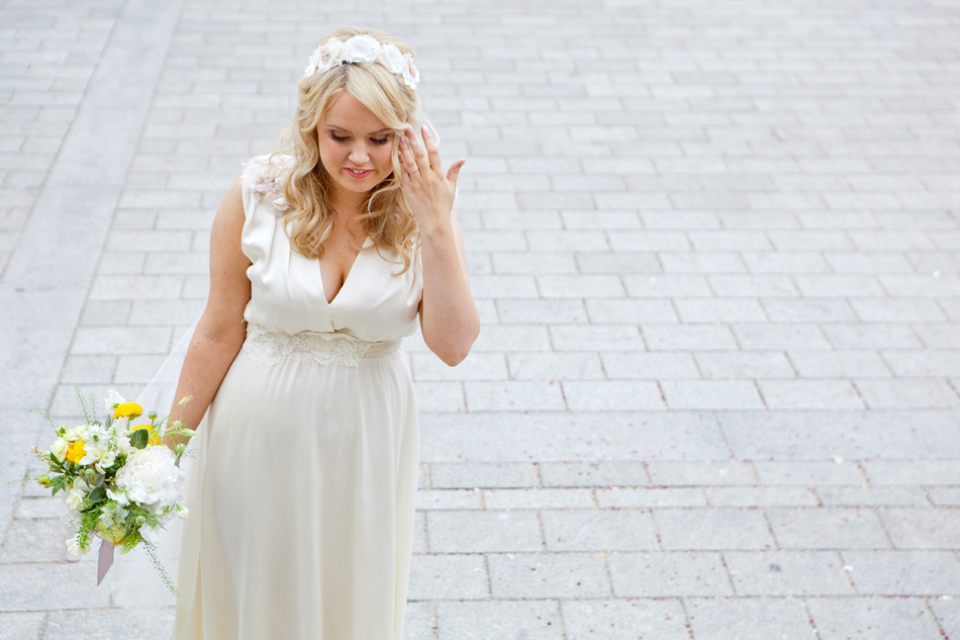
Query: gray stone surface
(874, 618)
(624, 619)
(707, 248)
(745, 619)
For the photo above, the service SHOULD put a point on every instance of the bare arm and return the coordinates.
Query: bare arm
(220, 331)
(448, 316)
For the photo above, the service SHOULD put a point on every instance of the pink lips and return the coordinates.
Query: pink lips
(359, 176)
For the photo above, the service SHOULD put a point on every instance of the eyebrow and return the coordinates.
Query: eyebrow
(386, 130)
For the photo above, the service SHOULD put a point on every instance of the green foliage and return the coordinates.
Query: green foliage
(139, 438)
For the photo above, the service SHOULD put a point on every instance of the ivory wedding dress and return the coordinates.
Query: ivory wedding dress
(301, 516)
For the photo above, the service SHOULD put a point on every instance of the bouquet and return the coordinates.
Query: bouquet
(119, 481)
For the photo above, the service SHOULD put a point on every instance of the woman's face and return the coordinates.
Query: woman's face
(355, 145)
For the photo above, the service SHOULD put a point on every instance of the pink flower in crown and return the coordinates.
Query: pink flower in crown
(392, 59)
(324, 58)
(410, 74)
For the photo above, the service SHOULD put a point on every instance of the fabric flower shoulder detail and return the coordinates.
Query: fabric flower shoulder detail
(262, 175)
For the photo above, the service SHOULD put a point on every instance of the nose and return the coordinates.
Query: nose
(359, 153)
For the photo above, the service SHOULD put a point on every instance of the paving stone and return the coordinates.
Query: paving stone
(482, 474)
(685, 337)
(760, 497)
(711, 394)
(477, 531)
(598, 473)
(21, 626)
(612, 395)
(623, 619)
(810, 394)
(633, 310)
(28, 587)
(523, 620)
(668, 573)
(617, 497)
(574, 575)
(947, 612)
(908, 363)
(943, 496)
(827, 528)
(513, 395)
(418, 621)
(739, 619)
(808, 310)
(909, 472)
(538, 499)
(904, 573)
(922, 528)
(477, 366)
(560, 366)
(643, 365)
(107, 624)
(705, 472)
(874, 618)
(773, 337)
(784, 573)
(455, 576)
(431, 499)
(533, 310)
(816, 363)
(712, 529)
(35, 541)
(577, 530)
(872, 496)
(744, 364)
(808, 472)
(906, 394)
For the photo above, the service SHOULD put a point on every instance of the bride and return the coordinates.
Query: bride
(323, 256)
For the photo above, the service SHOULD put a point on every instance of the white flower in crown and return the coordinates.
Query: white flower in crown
(363, 48)
(392, 59)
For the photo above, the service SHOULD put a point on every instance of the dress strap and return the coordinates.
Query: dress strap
(272, 347)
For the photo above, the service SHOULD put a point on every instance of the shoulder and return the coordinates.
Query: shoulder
(262, 175)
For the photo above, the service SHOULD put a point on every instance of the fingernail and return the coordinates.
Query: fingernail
(425, 131)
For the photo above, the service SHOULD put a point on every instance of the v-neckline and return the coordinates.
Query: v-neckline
(346, 278)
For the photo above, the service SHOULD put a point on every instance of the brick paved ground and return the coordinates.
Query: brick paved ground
(715, 246)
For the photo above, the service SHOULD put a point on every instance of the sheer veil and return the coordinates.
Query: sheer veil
(135, 584)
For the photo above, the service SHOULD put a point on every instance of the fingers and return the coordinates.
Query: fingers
(407, 158)
(455, 171)
(433, 152)
(420, 153)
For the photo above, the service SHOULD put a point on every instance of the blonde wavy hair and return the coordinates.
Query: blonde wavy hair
(387, 218)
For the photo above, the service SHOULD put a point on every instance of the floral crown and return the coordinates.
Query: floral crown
(363, 48)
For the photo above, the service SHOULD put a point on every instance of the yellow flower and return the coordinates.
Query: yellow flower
(154, 438)
(75, 451)
(127, 409)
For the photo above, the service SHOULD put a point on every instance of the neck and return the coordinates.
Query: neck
(346, 202)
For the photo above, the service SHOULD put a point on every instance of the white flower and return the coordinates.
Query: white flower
(392, 59)
(106, 460)
(76, 433)
(75, 495)
(74, 547)
(182, 512)
(362, 48)
(150, 477)
(113, 399)
(59, 448)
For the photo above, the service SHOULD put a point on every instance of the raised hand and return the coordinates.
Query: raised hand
(429, 190)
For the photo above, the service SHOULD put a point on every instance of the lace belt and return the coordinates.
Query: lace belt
(272, 347)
